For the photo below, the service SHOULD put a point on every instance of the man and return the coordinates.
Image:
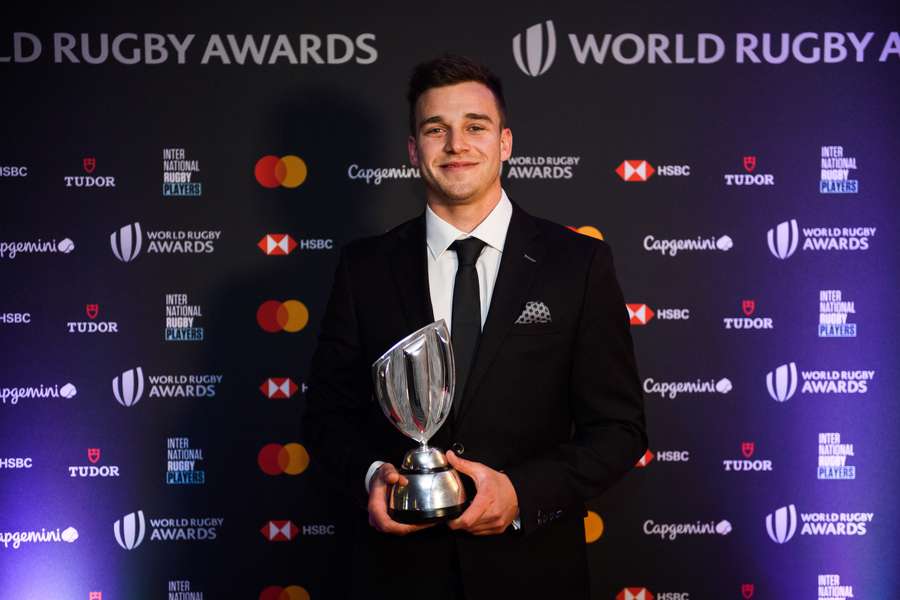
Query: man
(548, 412)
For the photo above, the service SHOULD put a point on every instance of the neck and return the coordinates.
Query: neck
(467, 216)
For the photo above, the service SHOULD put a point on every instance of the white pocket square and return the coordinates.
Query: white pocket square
(534, 312)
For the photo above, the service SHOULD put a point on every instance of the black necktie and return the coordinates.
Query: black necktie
(466, 318)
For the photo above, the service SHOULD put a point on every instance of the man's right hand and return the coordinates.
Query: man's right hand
(379, 487)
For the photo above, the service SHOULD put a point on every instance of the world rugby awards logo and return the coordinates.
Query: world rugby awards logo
(129, 387)
(783, 239)
(782, 382)
(782, 524)
(535, 61)
(129, 530)
(126, 243)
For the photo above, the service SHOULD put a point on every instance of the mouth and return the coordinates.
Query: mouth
(457, 165)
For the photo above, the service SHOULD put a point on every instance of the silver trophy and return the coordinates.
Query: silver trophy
(414, 383)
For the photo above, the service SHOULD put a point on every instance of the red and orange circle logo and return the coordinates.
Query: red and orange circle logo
(291, 592)
(274, 316)
(287, 459)
(288, 171)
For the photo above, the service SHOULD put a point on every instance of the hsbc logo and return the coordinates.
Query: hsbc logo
(278, 388)
(535, 52)
(129, 387)
(641, 170)
(282, 244)
(279, 531)
(663, 456)
(635, 594)
(782, 382)
(641, 314)
(130, 530)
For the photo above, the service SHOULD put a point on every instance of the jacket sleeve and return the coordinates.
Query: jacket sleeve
(338, 396)
(609, 433)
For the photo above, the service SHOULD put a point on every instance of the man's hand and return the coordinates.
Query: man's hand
(384, 477)
(495, 504)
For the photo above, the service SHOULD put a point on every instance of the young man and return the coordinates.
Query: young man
(549, 411)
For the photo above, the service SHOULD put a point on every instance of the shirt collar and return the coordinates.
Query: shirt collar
(439, 234)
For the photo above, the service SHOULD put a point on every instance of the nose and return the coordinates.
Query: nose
(455, 142)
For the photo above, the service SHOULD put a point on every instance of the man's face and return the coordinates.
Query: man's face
(458, 144)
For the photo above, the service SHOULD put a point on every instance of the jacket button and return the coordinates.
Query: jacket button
(458, 449)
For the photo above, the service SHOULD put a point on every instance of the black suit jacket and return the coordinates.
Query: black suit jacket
(556, 406)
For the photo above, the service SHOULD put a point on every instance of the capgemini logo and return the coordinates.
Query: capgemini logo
(129, 530)
(129, 387)
(535, 61)
(126, 242)
(782, 382)
(783, 239)
(782, 524)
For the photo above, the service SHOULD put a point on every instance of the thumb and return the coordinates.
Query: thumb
(468, 467)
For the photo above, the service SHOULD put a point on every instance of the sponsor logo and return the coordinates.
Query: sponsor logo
(95, 595)
(376, 175)
(782, 524)
(15, 318)
(642, 593)
(179, 172)
(11, 249)
(128, 241)
(12, 395)
(535, 52)
(13, 171)
(274, 316)
(830, 588)
(641, 170)
(749, 177)
(671, 247)
(278, 388)
(671, 389)
(279, 531)
(588, 230)
(833, 458)
(89, 164)
(16, 462)
(836, 167)
(663, 456)
(128, 388)
(671, 531)
(748, 321)
(181, 319)
(288, 171)
(833, 312)
(92, 470)
(542, 167)
(15, 539)
(641, 314)
(130, 531)
(747, 463)
(182, 462)
(784, 239)
(287, 459)
(291, 592)
(747, 590)
(281, 244)
(181, 590)
(593, 527)
(783, 381)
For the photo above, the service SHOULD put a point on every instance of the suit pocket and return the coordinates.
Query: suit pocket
(535, 329)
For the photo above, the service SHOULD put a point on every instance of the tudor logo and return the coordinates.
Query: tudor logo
(277, 244)
(783, 239)
(93, 455)
(279, 531)
(782, 524)
(538, 56)
(747, 449)
(635, 170)
(639, 314)
(126, 242)
(129, 530)
(129, 387)
(749, 163)
(747, 590)
(89, 163)
(92, 310)
(749, 307)
(782, 382)
(635, 594)
(278, 387)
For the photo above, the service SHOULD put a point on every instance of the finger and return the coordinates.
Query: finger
(388, 474)
(472, 515)
(468, 467)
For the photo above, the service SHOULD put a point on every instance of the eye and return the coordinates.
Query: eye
(433, 130)
(477, 128)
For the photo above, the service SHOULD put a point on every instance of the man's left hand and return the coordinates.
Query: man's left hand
(495, 504)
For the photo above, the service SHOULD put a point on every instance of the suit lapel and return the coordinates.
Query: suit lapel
(409, 268)
(514, 280)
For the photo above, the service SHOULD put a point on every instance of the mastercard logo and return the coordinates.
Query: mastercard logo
(274, 316)
(288, 171)
(588, 230)
(287, 459)
(593, 527)
(291, 592)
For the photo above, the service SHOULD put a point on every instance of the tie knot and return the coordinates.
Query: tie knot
(468, 250)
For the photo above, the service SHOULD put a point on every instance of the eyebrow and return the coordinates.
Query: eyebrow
(474, 116)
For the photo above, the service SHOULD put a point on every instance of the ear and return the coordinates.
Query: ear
(413, 151)
(506, 141)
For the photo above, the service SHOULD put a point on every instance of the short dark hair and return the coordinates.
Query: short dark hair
(451, 69)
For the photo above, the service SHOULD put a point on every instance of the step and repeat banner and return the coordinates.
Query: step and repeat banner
(177, 182)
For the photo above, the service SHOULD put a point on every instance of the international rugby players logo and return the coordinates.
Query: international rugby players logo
(539, 49)
(783, 239)
(126, 242)
(129, 530)
(782, 382)
(129, 387)
(782, 524)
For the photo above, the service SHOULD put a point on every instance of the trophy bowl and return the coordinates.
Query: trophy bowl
(414, 383)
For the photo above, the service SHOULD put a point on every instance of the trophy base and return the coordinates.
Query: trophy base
(433, 490)
(422, 517)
